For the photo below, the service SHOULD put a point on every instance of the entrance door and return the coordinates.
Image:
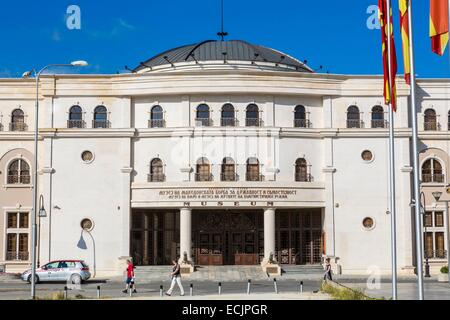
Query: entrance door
(243, 248)
(311, 238)
(154, 237)
(210, 249)
(228, 238)
(299, 237)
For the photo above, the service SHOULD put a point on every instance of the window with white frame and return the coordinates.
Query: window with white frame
(18, 172)
(17, 236)
(434, 235)
(432, 171)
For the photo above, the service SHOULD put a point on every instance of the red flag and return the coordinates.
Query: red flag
(439, 25)
(390, 95)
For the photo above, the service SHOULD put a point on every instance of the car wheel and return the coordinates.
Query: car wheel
(75, 279)
(36, 279)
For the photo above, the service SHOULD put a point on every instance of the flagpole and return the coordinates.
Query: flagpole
(415, 144)
(392, 158)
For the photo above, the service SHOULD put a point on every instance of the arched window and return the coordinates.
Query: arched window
(301, 171)
(18, 121)
(378, 117)
(300, 120)
(228, 170)
(430, 120)
(203, 170)
(252, 116)
(75, 117)
(203, 115)
(432, 171)
(19, 172)
(353, 117)
(100, 117)
(157, 117)
(253, 170)
(156, 171)
(228, 118)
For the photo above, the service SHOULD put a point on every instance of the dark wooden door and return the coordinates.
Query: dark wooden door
(299, 237)
(243, 248)
(228, 238)
(210, 248)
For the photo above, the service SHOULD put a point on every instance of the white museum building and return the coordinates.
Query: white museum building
(219, 153)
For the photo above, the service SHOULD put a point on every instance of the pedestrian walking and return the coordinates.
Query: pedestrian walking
(327, 274)
(176, 278)
(130, 279)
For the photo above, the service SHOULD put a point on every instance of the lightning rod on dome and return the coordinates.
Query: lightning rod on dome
(222, 33)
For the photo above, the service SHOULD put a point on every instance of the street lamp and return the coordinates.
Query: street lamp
(422, 211)
(79, 63)
(427, 265)
(42, 214)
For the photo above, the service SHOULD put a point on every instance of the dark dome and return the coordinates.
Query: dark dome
(233, 50)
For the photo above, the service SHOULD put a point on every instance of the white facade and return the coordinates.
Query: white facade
(344, 188)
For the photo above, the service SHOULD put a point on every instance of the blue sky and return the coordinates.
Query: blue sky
(118, 33)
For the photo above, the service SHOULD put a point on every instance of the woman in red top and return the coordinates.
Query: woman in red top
(130, 278)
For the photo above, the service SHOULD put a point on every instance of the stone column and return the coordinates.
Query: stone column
(185, 234)
(269, 234)
(271, 268)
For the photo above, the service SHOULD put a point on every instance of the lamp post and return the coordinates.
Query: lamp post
(437, 196)
(427, 265)
(422, 213)
(42, 214)
(35, 176)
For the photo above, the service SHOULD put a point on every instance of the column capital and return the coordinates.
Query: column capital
(270, 209)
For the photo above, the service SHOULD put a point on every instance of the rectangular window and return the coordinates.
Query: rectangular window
(12, 220)
(23, 221)
(428, 242)
(12, 242)
(439, 219)
(428, 219)
(17, 236)
(440, 245)
(23, 246)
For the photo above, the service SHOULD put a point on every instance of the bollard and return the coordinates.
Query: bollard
(65, 293)
(191, 290)
(98, 292)
(248, 286)
(161, 291)
(220, 288)
(301, 286)
(130, 292)
(275, 285)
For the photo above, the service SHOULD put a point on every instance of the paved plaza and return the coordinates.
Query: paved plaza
(288, 289)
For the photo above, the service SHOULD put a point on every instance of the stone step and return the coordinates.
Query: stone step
(302, 269)
(205, 273)
(229, 273)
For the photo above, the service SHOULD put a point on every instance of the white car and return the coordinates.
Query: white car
(75, 271)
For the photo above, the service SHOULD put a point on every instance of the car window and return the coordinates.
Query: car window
(62, 265)
(52, 265)
(71, 264)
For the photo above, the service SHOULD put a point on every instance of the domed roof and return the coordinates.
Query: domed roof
(233, 50)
